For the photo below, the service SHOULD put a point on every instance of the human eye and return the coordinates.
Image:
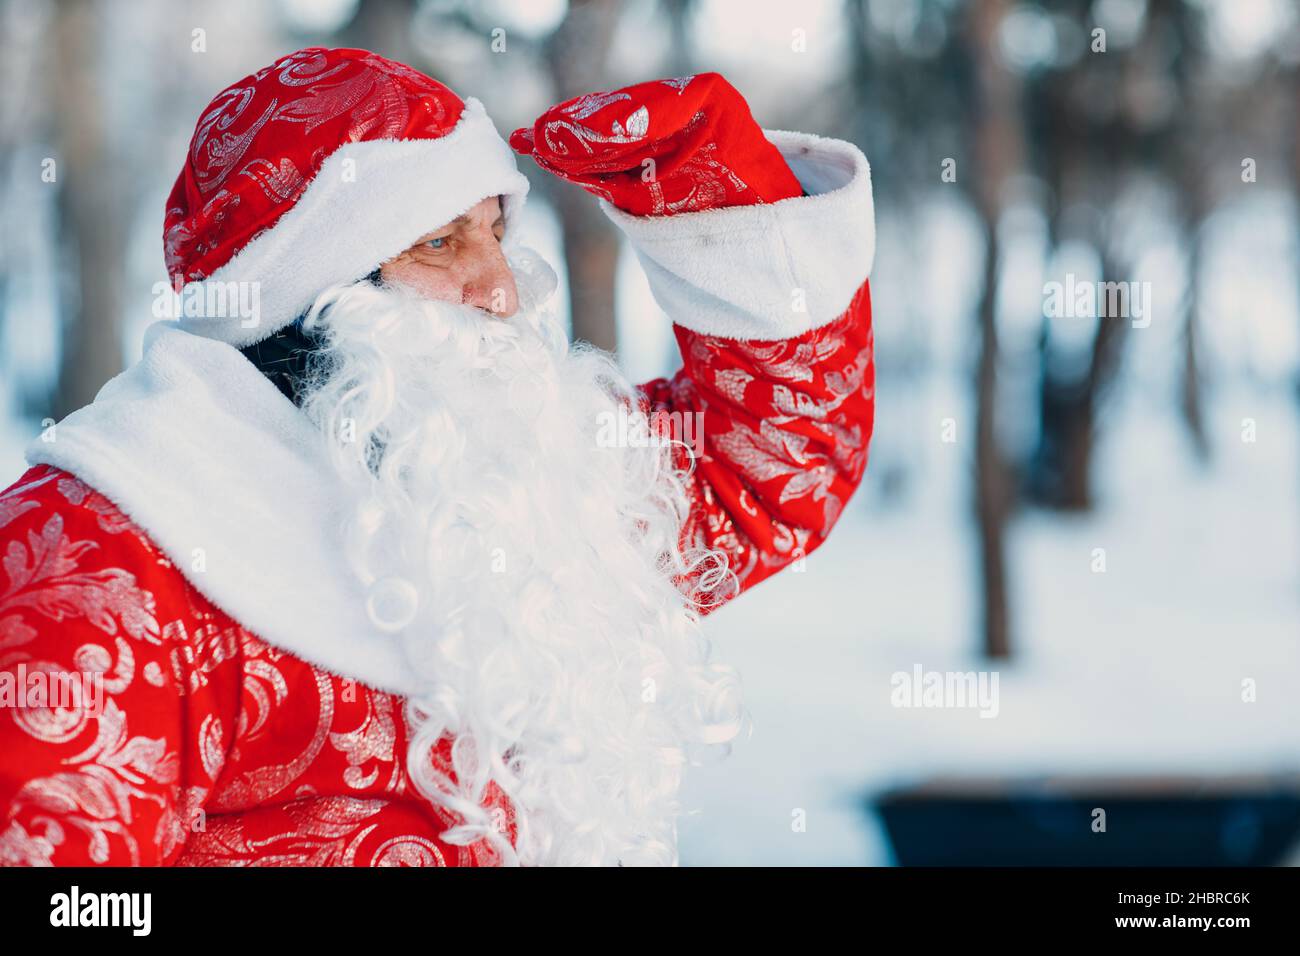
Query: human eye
(437, 243)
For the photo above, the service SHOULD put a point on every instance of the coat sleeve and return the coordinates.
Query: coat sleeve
(774, 402)
(113, 765)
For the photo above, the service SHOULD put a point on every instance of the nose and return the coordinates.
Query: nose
(491, 286)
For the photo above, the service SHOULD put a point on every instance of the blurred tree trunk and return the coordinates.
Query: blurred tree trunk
(997, 134)
(1075, 405)
(1186, 151)
(1088, 162)
(681, 54)
(1188, 155)
(383, 26)
(1190, 380)
(992, 484)
(575, 55)
(90, 213)
(25, 120)
(1293, 78)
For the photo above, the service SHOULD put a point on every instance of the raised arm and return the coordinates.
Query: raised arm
(758, 245)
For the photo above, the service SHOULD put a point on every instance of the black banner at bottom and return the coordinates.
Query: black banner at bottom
(206, 907)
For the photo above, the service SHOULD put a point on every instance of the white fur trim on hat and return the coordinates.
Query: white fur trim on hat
(368, 202)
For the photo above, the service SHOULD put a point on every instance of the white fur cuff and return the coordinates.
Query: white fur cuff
(769, 271)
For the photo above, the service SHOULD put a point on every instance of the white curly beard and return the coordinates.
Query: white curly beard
(528, 571)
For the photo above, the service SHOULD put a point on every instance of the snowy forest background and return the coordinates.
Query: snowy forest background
(1013, 447)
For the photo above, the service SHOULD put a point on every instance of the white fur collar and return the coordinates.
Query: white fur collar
(226, 476)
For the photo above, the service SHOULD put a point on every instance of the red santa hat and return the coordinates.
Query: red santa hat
(316, 170)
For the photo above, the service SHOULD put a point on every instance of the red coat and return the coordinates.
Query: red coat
(211, 747)
(215, 747)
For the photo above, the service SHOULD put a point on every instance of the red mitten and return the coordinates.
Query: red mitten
(663, 147)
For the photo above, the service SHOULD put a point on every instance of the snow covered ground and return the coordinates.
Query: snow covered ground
(1139, 668)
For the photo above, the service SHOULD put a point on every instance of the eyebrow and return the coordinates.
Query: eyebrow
(464, 220)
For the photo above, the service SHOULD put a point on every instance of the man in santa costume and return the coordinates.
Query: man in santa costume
(352, 577)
